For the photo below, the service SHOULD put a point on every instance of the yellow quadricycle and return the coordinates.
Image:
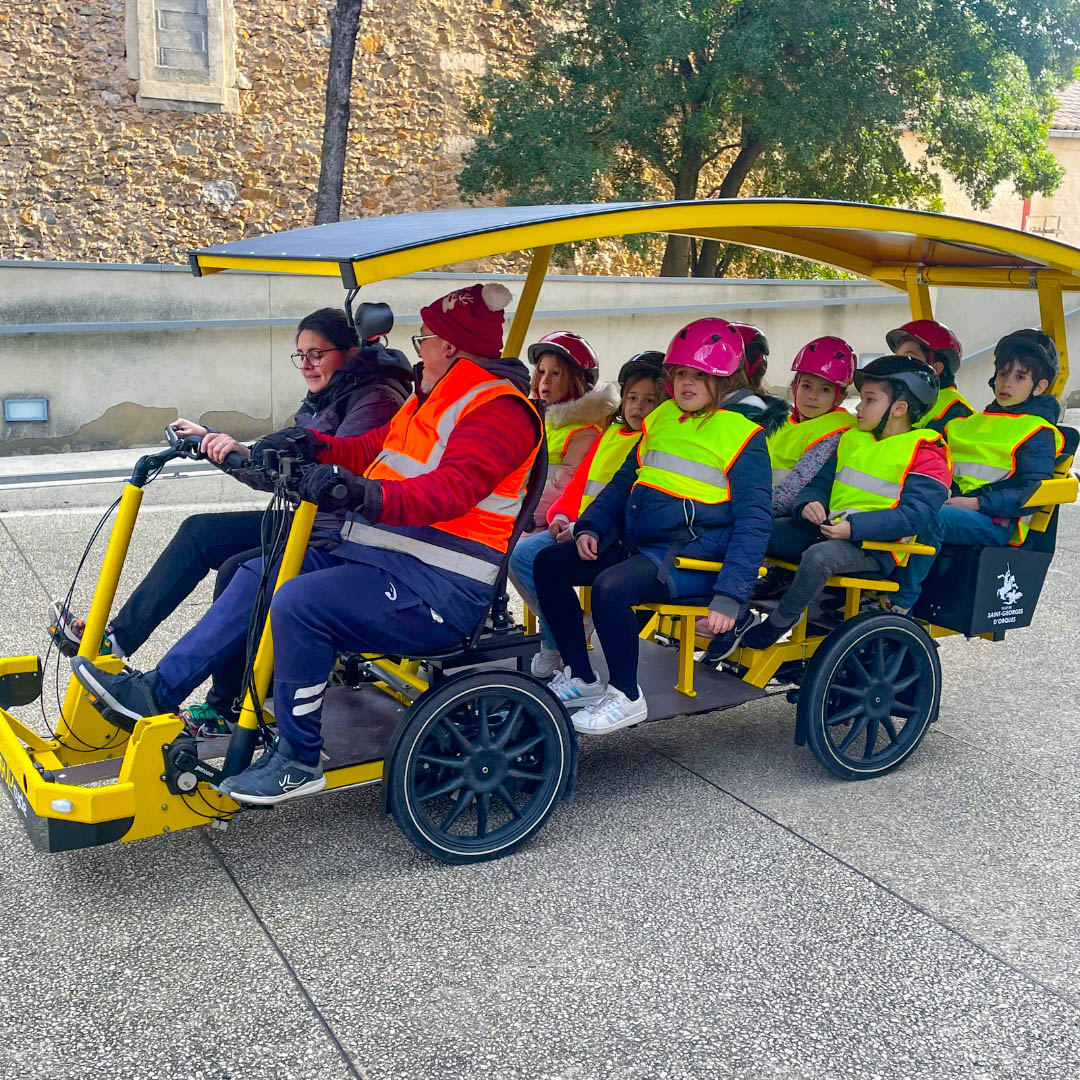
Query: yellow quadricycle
(470, 728)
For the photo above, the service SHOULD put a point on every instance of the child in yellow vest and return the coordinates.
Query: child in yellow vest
(698, 485)
(886, 481)
(1000, 456)
(641, 383)
(576, 407)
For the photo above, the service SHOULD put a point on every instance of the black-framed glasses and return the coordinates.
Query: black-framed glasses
(313, 356)
(417, 338)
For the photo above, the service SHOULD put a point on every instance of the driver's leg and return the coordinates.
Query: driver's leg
(352, 607)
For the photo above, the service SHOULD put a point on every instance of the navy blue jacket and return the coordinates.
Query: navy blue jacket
(657, 524)
(1034, 461)
(920, 499)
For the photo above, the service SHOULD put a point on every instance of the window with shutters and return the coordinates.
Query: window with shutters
(182, 52)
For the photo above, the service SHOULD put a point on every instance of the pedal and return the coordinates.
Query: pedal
(184, 770)
(64, 646)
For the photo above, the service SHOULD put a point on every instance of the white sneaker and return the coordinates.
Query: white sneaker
(545, 663)
(574, 693)
(611, 712)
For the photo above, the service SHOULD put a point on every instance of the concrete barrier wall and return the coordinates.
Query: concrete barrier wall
(119, 386)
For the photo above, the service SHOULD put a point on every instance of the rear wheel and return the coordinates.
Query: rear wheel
(479, 766)
(870, 692)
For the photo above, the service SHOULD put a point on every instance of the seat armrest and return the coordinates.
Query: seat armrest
(899, 547)
(1061, 489)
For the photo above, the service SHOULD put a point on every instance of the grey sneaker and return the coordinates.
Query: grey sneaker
(275, 777)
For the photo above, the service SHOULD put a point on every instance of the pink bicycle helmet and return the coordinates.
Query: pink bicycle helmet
(830, 358)
(710, 345)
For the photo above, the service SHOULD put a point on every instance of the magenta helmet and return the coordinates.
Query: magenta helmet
(710, 345)
(830, 358)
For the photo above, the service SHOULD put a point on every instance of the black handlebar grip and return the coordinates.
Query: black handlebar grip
(235, 460)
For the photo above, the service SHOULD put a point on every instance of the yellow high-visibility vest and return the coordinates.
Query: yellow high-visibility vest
(984, 447)
(947, 397)
(558, 439)
(614, 446)
(689, 456)
(870, 473)
(795, 437)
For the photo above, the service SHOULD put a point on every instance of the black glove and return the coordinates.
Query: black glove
(335, 488)
(298, 440)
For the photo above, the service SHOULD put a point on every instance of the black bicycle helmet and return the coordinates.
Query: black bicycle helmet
(648, 364)
(912, 380)
(1029, 345)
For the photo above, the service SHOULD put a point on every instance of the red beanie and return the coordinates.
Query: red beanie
(471, 319)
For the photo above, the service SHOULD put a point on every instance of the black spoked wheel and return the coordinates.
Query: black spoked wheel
(479, 765)
(869, 694)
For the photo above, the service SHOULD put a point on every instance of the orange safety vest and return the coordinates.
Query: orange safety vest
(474, 543)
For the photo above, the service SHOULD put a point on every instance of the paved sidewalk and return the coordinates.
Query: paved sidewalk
(713, 904)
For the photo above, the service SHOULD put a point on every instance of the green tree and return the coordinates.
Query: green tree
(630, 99)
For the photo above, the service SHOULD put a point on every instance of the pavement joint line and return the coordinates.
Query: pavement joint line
(354, 1069)
(1061, 995)
(26, 559)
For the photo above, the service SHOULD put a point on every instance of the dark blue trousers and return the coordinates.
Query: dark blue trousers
(335, 605)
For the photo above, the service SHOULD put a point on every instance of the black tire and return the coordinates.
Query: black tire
(870, 692)
(479, 765)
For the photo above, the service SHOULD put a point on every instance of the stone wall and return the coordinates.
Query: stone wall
(87, 174)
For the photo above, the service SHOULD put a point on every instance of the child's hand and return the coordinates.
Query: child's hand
(567, 533)
(840, 531)
(963, 502)
(718, 623)
(814, 513)
(558, 525)
(586, 547)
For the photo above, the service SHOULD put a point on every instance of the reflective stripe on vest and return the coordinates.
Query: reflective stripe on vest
(615, 444)
(794, 437)
(947, 397)
(870, 473)
(359, 532)
(690, 458)
(984, 446)
(415, 444)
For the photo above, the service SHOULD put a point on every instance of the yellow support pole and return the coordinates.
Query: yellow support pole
(97, 618)
(918, 296)
(523, 313)
(1052, 315)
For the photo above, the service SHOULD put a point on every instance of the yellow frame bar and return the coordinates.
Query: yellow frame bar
(527, 301)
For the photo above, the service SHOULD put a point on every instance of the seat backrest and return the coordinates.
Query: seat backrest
(1043, 533)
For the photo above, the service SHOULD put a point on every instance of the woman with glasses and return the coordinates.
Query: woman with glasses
(352, 388)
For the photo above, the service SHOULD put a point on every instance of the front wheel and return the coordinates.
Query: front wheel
(479, 765)
(870, 692)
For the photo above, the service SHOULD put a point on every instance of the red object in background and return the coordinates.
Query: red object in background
(1024, 214)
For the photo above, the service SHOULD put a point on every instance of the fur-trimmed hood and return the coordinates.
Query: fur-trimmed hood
(764, 409)
(595, 407)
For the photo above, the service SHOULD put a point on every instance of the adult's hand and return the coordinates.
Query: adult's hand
(814, 512)
(586, 547)
(333, 487)
(186, 428)
(301, 440)
(217, 446)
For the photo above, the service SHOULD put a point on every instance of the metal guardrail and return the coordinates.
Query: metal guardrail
(410, 320)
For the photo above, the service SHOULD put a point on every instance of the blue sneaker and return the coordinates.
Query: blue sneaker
(123, 698)
(275, 777)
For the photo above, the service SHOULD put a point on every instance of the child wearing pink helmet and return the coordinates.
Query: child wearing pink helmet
(823, 371)
(697, 485)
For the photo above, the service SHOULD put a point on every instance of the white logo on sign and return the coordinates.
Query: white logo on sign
(1008, 593)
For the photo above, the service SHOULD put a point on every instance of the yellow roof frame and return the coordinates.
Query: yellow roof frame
(909, 250)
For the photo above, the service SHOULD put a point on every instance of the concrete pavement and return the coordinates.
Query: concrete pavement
(713, 904)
